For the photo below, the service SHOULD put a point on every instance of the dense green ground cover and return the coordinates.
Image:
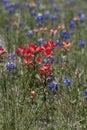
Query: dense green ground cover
(43, 65)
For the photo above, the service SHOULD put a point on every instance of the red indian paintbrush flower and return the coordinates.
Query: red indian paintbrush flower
(61, 26)
(32, 94)
(51, 44)
(2, 51)
(47, 48)
(43, 29)
(38, 60)
(15, 22)
(32, 4)
(20, 51)
(27, 60)
(45, 69)
(33, 48)
(53, 31)
(28, 53)
(35, 30)
(66, 45)
(48, 53)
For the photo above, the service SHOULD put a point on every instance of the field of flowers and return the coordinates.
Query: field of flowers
(43, 65)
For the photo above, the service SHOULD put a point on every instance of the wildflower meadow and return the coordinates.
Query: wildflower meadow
(43, 65)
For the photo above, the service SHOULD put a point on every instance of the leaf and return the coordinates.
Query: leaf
(38, 77)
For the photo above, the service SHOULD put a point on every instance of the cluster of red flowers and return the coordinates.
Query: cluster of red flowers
(52, 31)
(33, 54)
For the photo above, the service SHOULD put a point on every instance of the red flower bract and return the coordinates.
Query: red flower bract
(38, 60)
(66, 45)
(2, 51)
(20, 50)
(43, 29)
(51, 44)
(53, 31)
(27, 60)
(45, 69)
(28, 53)
(32, 94)
(48, 53)
(33, 48)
